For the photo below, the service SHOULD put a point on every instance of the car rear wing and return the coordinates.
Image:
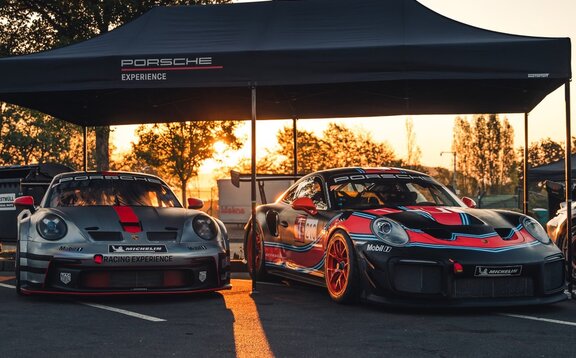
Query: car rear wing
(23, 180)
(237, 177)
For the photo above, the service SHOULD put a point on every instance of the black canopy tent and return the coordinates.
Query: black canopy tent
(554, 171)
(306, 59)
(309, 59)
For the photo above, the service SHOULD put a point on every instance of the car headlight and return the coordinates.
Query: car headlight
(390, 231)
(52, 227)
(204, 227)
(536, 230)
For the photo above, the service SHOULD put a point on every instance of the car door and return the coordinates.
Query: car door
(300, 229)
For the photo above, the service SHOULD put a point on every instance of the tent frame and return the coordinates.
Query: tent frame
(254, 118)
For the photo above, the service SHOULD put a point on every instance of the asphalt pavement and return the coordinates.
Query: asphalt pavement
(283, 319)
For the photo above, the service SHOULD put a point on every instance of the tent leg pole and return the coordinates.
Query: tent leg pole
(295, 140)
(525, 170)
(568, 192)
(85, 148)
(253, 187)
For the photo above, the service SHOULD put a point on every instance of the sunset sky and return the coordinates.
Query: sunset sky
(552, 18)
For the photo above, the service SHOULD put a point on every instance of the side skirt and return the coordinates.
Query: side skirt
(316, 281)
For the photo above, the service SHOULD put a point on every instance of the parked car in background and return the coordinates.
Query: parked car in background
(98, 233)
(556, 229)
(399, 237)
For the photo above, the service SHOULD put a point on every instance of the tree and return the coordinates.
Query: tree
(462, 137)
(176, 150)
(338, 146)
(413, 152)
(28, 137)
(485, 151)
(29, 26)
(544, 152)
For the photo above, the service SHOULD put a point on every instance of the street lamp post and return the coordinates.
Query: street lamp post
(454, 171)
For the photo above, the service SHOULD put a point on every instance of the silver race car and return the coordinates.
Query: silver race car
(109, 233)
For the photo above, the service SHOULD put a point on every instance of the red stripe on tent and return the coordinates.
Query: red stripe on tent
(142, 69)
(128, 219)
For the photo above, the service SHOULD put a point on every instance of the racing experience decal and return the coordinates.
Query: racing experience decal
(137, 259)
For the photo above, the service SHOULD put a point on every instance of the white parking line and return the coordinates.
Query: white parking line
(125, 312)
(566, 323)
(113, 309)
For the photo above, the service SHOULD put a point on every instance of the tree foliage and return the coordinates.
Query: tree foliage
(544, 152)
(29, 26)
(28, 137)
(176, 150)
(413, 151)
(485, 152)
(338, 146)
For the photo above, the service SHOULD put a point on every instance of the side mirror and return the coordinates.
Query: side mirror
(469, 202)
(24, 202)
(305, 204)
(194, 203)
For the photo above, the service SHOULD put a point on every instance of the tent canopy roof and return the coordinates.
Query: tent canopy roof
(555, 171)
(308, 59)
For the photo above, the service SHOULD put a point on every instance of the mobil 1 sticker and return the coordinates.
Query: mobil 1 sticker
(136, 248)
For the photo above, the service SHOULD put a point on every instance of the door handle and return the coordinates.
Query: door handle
(284, 223)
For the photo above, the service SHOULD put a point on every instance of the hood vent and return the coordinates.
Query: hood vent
(438, 233)
(506, 234)
(106, 235)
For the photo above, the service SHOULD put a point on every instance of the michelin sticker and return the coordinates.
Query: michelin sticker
(497, 271)
(7, 201)
(136, 248)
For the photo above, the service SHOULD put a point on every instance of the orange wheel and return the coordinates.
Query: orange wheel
(340, 270)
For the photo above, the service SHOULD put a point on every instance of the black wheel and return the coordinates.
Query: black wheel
(258, 260)
(341, 270)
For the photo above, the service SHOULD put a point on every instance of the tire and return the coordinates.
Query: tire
(258, 274)
(341, 271)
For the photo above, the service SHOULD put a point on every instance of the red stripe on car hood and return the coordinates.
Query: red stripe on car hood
(128, 219)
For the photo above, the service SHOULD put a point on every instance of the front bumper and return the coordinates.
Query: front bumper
(90, 273)
(432, 277)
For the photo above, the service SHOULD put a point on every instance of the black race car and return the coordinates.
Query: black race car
(398, 236)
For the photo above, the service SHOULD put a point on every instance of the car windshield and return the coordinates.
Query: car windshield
(404, 190)
(115, 191)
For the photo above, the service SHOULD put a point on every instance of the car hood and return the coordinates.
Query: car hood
(445, 222)
(158, 223)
